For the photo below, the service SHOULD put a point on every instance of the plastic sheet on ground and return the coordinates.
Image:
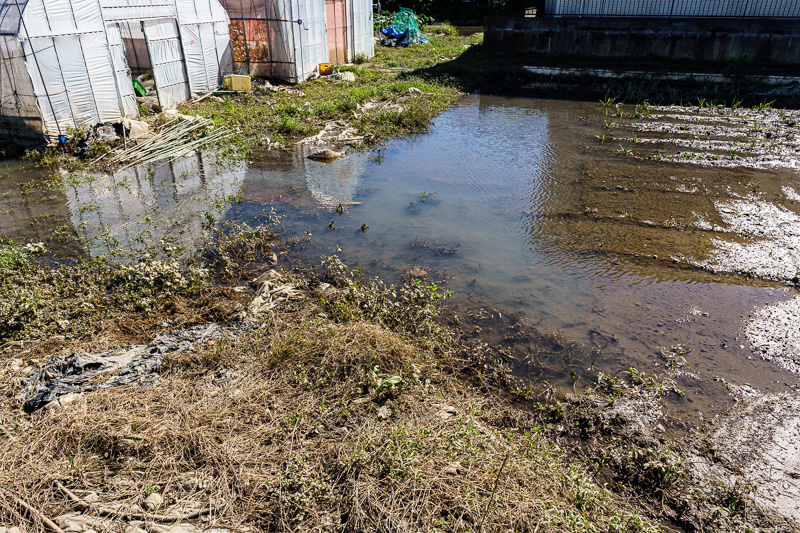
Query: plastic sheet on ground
(130, 364)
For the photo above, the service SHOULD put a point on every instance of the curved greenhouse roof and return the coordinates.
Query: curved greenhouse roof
(69, 63)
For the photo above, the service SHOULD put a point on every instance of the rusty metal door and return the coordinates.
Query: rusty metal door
(336, 27)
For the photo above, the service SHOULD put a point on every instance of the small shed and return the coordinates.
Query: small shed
(68, 63)
(288, 39)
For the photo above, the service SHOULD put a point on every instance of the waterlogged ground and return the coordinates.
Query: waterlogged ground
(537, 213)
(584, 221)
(529, 214)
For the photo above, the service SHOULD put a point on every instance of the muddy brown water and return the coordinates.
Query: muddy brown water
(515, 201)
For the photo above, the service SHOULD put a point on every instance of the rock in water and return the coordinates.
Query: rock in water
(325, 155)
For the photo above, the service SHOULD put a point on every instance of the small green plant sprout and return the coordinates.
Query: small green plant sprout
(753, 185)
(522, 393)
(364, 227)
(427, 195)
(624, 150)
(391, 386)
(607, 102)
(620, 110)
(675, 356)
(763, 105)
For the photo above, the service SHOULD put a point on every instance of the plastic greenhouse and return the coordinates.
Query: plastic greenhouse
(288, 39)
(68, 63)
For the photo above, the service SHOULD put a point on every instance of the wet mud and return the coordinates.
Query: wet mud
(756, 449)
(573, 246)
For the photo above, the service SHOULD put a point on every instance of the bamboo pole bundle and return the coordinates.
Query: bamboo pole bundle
(173, 139)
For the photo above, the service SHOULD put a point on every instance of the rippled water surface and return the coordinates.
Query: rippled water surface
(514, 201)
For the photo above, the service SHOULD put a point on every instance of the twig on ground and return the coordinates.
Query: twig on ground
(494, 491)
(35, 512)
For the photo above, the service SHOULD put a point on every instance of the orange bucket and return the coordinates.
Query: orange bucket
(325, 69)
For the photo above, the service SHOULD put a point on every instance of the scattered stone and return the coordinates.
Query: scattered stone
(64, 400)
(445, 412)
(181, 528)
(453, 468)
(411, 91)
(153, 501)
(325, 155)
(80, 523)
(325, 287)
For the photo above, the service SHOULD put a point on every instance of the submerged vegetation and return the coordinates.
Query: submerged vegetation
(346, 409)
(352, 405)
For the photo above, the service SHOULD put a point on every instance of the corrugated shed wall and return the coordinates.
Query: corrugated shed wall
(676, 8)
(310, 40)
(363, 30)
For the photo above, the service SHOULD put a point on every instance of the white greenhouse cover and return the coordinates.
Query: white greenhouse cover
(63, 63)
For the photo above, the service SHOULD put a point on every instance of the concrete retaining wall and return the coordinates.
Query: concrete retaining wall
(673, 8)
(715, 40)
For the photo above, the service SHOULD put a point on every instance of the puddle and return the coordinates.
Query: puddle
(530, 218)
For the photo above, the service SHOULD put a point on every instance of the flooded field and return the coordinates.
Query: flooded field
(536, 213)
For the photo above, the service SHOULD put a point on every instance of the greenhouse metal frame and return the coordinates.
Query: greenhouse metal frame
(67, 63)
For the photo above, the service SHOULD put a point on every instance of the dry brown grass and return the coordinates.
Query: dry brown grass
(284, 428)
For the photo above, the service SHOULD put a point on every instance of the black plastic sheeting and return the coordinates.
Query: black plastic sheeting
(83, 372)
